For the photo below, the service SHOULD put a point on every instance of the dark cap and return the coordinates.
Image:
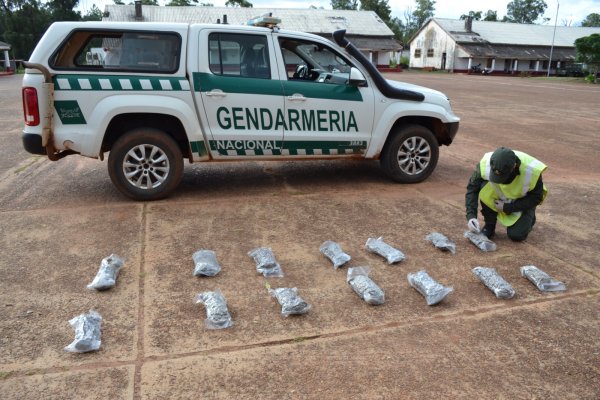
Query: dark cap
(502, 163)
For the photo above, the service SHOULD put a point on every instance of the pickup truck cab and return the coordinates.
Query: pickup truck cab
(154, 94)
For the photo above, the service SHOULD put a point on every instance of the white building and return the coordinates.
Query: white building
(4, 59)
(363, 28)
(503, 48)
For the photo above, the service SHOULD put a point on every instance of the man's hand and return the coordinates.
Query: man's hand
(499, 205)
(473, 225)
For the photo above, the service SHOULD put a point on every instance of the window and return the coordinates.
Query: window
(313, 61)
(429, 52)
(417, 53)
(532, 64)
(150, 52)
(239, 55)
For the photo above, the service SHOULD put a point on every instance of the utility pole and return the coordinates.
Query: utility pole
(553, 36)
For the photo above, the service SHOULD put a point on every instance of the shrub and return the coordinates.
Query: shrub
(404, 61)
(591, 78)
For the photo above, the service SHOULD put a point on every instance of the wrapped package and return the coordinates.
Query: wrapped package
(217, 314)
(106, 277)
(481, 241)
(542, 280)
(206, 263)
(441, 242)
(334, 252)
(358, 278)
(87, 332)
(289, 300)
(391, 254)
(266, 263)
(493, 281)
(433, 291)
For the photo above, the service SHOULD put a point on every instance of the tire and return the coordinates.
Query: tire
(411, 155)
(145, 164)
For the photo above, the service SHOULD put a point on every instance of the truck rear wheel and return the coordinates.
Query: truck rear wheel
(411, 155)
(145, 164)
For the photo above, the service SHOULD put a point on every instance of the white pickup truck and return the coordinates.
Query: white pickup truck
(152, 94)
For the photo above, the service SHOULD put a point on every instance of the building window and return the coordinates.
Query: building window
(417, 53)
(429, 52)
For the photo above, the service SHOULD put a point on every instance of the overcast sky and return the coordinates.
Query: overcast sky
(570, 11)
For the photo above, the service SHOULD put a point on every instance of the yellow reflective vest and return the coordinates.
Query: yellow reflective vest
(529, 173)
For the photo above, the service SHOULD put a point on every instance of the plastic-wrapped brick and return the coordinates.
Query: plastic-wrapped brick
(359, 281)
(441, 242)
(493, 281)
(481, 241)
(87, 332)
(542, 280)
(266, 263)
(334, 252)
(429, 288)
(290, 302)
(205, 263)
(378, 246)
(217, 314)
(106, 277)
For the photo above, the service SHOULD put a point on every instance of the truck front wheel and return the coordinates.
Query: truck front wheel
(145, 164)
(411, 155)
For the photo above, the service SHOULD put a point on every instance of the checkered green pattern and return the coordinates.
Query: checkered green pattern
(287, 148)
(119, 83)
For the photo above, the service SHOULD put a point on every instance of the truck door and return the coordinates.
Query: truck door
(325, 115)
(239, 89)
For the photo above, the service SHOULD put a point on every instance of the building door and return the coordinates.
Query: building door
(443, 66)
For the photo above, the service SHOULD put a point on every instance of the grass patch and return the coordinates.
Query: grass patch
(32, 161)
(5, 374)
(559, 79)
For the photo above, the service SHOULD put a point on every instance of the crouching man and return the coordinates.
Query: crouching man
(509, 186)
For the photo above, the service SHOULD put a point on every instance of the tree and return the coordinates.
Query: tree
(491, 15)
(397, 27)
(63, 10)
(238, 3)
(475, 15)
(23, 22)
(94, 14)
(150, 3)
(525, 11)
(381, 8)
(344, 4)
(588, 51)
(410, 24)
(591, 20)
(182, 3)
(425, 10)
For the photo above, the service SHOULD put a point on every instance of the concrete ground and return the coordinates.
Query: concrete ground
(59, 219)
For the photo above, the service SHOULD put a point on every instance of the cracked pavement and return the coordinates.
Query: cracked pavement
(59, 219)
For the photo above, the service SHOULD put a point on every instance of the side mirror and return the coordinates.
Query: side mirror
(356, 78)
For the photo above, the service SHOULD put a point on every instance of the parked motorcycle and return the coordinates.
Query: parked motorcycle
(476, 69)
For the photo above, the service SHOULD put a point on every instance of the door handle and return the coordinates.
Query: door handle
(296, 97)
(216, 93)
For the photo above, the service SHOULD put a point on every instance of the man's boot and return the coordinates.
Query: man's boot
(489, 230)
